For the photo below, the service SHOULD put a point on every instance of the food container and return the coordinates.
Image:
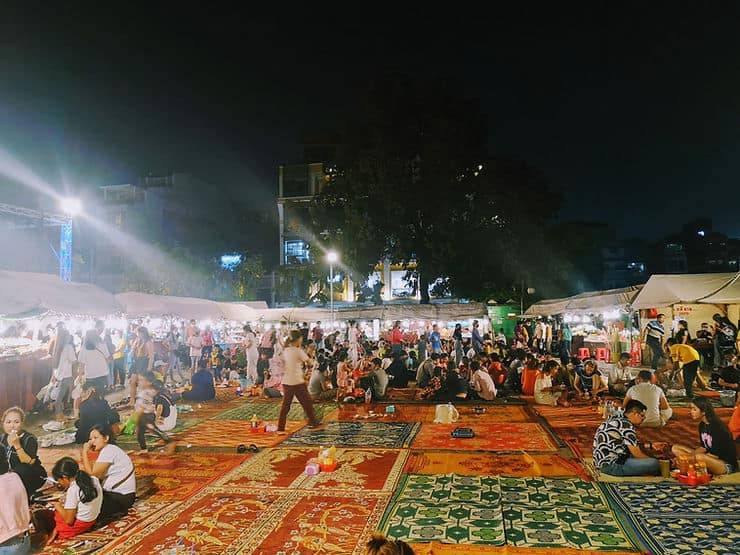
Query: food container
(328, 467)
(694, 480)
(258, 430)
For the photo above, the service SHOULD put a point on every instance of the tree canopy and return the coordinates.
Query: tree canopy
(414, 182)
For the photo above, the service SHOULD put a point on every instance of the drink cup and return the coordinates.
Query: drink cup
(665, 468)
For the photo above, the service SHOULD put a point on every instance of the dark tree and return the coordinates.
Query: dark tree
(414, 183)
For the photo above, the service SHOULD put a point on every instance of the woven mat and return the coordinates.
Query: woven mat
(270, 410)
(283, 467)
(437, 548)
(672, 518)
(488, 437)
(426, 413)
(357, 434)
(523, 512)
(231, 433)
(482, 464)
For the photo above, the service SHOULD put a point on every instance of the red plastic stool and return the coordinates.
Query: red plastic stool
(603, 354)
(584, 353)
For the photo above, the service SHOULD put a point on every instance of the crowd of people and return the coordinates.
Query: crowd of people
(313, 366)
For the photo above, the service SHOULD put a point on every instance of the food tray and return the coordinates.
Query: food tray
(694, 480)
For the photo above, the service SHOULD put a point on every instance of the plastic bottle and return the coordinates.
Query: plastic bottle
(255, 422)
(600, 410)
(368, 395)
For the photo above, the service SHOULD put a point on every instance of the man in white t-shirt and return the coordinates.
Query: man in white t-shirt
(620, 376)
(482, 383)
(658, 411)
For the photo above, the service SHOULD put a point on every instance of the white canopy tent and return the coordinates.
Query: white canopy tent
(137, 305)
(729, 294)
(23, 293)
(666, 290)
(590, 301)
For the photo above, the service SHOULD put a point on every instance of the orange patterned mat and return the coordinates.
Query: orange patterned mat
(488, 437)
(484, 464)
(425, 413)
(231, 433)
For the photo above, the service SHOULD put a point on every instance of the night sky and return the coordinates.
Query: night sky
(632, 110)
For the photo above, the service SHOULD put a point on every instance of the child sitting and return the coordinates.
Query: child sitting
(82, 502)
(145, 411)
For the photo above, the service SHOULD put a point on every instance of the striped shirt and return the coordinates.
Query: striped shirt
(655, 330)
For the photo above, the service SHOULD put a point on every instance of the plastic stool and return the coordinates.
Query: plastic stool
(584, 353)
(636, 353)
(603, 354)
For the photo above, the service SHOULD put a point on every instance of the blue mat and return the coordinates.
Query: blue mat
(672, 518)
(357, 434)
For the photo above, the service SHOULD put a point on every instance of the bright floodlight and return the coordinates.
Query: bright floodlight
(332, 257)
(71, 206)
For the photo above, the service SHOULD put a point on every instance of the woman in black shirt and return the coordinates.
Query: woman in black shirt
(718, 449)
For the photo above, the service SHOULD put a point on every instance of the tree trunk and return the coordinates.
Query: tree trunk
(424, 288)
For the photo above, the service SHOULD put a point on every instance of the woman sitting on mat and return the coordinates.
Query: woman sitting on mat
(717, 449)
(21, 449)
(115, 471)
(80, 508)
(588, 382)
(545, 393)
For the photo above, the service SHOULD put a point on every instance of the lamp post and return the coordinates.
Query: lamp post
(331, 258)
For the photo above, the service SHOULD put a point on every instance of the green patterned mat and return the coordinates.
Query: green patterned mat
(357, 434)
(671, 518)
(489, 510)
(270, 410)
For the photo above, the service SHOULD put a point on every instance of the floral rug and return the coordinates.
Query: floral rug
(177, 477)
(269, 411)
(426, 413)
(232, 433)
(488, 437)
(310, 523)
(671, 518)
(357, 470)
(357, 434)
(521, 512)
(482, 464)
(436, 548)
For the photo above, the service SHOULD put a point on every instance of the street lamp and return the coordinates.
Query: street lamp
(331, 258)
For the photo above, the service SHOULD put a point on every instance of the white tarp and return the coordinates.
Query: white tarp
(729, 294)
(429, 312)
(28, 292)
(589, 301)
(137, 305)
(666, 290)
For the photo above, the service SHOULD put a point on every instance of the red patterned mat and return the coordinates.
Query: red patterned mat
(231, 433)
(179, 476)
(488, 437)
(321, 523)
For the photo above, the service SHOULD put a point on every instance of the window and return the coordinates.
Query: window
(297, 252)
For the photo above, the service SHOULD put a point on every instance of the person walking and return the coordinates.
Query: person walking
(294, 384)
(653, 336)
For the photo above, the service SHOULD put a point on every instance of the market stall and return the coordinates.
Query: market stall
(601, 322)
(29, 303)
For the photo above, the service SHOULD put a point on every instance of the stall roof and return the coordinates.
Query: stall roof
(666, 290)
(138, 305)
(588, 301)
(431, 312)
(729, 294)
(28, 292)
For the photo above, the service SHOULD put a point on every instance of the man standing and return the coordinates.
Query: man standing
(317, 334)
(397, 338)
(252, 352)
(653, 335)
(616, 451)
(689, 358)
(436, 340)
(477, 339)
(658, 412)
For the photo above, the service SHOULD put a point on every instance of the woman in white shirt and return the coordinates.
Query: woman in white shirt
(115, 471)
(544, 392)
(82, 502)
(294, 384)
(64, 359)
(94, 358)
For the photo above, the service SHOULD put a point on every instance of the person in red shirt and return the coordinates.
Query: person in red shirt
(317, 334)
(397, 338)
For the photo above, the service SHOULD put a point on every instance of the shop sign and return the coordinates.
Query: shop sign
(683, 309)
